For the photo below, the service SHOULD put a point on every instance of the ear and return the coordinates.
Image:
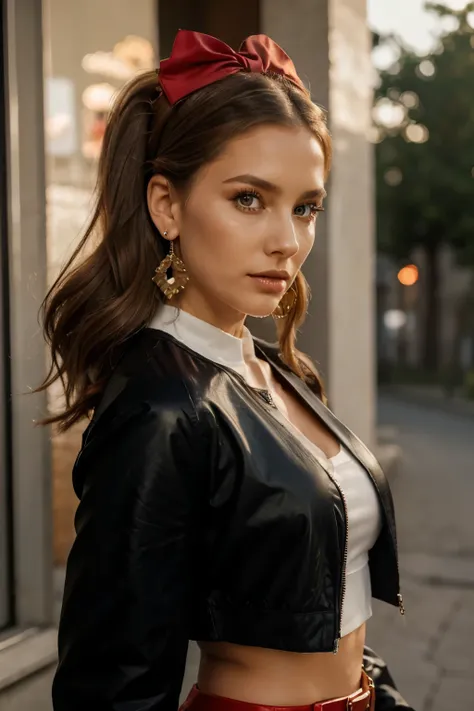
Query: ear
(163, 206)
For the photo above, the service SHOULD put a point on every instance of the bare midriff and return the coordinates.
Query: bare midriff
(278, 678)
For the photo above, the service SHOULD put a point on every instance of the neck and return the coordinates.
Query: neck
(217, 314)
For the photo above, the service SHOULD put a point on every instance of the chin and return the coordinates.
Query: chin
(260, 310)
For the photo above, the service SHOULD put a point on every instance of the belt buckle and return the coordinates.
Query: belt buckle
(365, 695)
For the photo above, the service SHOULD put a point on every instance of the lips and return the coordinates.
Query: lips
(270, 284)
(273, 274)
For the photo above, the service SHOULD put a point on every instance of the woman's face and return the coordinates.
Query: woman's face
(251, 211)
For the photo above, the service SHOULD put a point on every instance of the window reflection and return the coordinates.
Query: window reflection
(91, 49)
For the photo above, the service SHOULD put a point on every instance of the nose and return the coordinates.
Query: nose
(282, 239)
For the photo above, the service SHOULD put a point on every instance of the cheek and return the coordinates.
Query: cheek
(212, 239)
(306, 244)
(203, 214)
(213, 226)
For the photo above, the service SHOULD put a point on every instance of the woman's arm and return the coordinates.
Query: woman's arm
(129, 585)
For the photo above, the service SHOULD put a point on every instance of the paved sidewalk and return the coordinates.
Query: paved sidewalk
(431, 652)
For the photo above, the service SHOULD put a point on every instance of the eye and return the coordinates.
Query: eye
(308, 211)
(248, 200)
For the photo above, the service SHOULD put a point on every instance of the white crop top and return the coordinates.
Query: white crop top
(365, 523)
(363, 510)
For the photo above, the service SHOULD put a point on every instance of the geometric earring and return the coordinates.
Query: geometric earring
(169, 282)
(286, 305)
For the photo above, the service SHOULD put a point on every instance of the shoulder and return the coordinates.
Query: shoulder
(149, 396)
(146, 422)
(153, 374)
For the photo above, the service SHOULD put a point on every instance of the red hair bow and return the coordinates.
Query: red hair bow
(198, 60)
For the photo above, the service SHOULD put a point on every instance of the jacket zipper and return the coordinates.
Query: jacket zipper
(269, 399)
(401, 606)
(344, 562)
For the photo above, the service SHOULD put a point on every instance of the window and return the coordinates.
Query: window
(88, 59)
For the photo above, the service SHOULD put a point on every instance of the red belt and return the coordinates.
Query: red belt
(361, 700)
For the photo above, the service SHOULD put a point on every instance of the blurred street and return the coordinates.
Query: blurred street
(430, 651)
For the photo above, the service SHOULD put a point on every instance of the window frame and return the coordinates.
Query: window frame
(25, 214)
(6, 557)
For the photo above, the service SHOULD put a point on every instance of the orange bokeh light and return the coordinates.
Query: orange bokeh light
(408, 275)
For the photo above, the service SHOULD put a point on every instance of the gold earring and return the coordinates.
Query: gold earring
(286, 305)
(173, 284)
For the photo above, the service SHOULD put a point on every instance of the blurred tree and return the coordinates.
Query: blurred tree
(424, 131)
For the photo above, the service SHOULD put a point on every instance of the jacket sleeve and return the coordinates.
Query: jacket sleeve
(123, 633)
(387, 696)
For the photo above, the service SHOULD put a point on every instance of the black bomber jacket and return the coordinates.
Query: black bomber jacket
(201, 517)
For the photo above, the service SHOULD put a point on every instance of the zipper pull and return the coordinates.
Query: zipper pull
(336, 646)
(267, 396)
(401, 606)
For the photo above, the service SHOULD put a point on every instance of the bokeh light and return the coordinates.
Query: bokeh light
(410, 99)
(389, 113)
(426, 68)
(407, 276)
(416, 133)
(394, 319)
(393, 176)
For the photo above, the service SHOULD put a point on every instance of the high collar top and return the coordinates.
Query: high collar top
(208, 340)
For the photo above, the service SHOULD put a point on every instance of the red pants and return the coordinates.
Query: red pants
(361, 700)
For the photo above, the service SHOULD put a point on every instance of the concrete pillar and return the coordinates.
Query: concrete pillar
(330, 43)
(213, 17)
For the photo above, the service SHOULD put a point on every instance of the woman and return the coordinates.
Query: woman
(216, 488)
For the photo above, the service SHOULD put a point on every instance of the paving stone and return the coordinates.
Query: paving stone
(436, 542)
(455, 651)
(439, 570)
(454, 694)
(405, 654)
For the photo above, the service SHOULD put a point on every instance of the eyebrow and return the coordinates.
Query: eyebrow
(271, 187)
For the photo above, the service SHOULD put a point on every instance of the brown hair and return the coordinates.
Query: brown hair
(105, 293)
